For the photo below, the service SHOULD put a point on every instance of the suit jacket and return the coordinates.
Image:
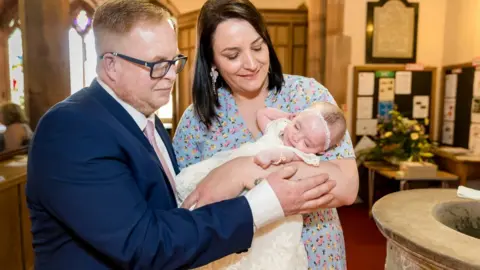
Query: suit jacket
(99, 198)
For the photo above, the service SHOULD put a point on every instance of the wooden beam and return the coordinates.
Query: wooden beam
(45, 25)
(337, 52)
(4, 70)
(316, 39)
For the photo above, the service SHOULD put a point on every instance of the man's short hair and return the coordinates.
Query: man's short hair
(118, 17)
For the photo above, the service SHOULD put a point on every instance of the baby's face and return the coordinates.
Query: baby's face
(306, 132)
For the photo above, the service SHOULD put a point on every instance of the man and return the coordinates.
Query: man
(101, 165)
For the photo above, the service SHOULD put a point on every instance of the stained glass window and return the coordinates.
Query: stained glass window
(15, 64)
(82, 22)
(83, 58)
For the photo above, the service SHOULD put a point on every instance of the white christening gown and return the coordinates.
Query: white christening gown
(277, 246)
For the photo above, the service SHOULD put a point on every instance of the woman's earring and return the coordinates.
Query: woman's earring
(214, 75)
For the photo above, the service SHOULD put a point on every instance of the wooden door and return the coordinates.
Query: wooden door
(288, 31)
(186, 43)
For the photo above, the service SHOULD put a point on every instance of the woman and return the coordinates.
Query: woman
(17, 133)
(237, 73)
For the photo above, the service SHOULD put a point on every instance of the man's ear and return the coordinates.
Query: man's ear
(109, 66)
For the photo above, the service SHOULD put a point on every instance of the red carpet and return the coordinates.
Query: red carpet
(366, 246)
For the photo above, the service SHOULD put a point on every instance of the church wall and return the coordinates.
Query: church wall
(185, 6)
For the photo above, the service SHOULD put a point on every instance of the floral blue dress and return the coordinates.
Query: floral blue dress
(193, 142)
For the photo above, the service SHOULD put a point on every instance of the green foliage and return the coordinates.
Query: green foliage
(401, 139)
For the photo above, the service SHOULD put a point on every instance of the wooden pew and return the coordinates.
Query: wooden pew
(16, 252)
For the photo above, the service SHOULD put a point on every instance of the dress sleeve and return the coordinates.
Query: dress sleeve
(185, 139)
(309, 91)
(276, 126)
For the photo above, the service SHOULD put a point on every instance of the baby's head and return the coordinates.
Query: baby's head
(316, 129)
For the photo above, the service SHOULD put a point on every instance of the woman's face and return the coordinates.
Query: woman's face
(241, 56)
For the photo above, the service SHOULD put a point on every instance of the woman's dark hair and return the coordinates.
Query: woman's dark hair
(214, 12)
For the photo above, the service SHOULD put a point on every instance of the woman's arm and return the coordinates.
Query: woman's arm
(184, 141)
(343, 171)
(266, 115)
(339, 162)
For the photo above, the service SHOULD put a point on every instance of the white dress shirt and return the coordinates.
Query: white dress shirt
(263, 201)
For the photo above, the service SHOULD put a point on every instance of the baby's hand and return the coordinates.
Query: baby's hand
(273, 156)
(263, 159)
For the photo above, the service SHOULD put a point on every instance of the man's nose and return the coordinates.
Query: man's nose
(171, 73)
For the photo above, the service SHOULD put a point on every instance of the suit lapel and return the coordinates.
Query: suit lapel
(115, 109)
(167, 142)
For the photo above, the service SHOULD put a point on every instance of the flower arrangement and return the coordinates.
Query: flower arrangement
(401, 139)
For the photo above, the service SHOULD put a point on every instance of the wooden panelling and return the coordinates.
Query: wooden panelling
(283, 36)
(10, 231)
(272, 32)
(299, 66)
(186, 44)
(299, 35)
(16, 252)
(4, 70)
(27, 248)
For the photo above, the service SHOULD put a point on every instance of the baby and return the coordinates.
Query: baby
(303, 135)
(286, 137)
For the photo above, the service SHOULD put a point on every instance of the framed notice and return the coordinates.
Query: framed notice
(391, 33)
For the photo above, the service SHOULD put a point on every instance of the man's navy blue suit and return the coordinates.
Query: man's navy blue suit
(99, 198)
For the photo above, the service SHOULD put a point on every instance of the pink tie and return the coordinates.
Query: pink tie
(150, 132)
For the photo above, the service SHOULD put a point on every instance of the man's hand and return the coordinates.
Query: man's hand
(223, 183)
(302, 196)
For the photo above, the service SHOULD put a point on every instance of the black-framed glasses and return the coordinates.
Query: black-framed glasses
(158, 69)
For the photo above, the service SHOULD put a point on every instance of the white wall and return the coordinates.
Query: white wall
(476, 11)
(431, 23)
(462, 31)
